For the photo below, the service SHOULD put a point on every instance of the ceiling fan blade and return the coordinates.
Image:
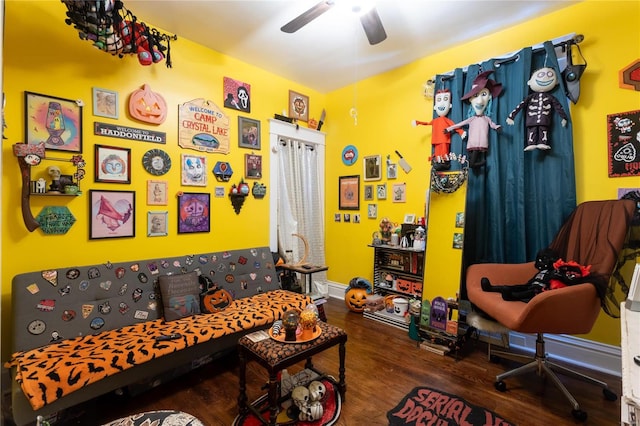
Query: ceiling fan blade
(373, 27)
(308, 16)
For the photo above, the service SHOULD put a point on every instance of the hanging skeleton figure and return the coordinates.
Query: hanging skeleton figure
(538, 109)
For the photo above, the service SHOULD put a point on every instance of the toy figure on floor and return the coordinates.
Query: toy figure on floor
(441, 140)
(554, 273)
(538, 109)
(480, 97)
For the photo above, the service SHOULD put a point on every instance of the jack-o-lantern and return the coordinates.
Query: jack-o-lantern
(147, 106)
(355, 299)
(216, 300)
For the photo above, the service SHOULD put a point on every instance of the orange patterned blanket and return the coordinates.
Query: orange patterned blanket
(53, 371)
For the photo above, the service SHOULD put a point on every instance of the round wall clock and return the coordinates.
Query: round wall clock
(156, 161)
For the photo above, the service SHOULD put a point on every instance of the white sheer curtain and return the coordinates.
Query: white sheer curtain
(300, 204)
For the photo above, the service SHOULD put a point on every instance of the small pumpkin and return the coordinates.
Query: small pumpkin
(355, 299)
(147, 106)
(216, 301)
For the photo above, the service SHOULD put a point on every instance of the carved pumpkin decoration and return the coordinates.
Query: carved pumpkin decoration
(216, 301)
(147, 106)
(355, 299)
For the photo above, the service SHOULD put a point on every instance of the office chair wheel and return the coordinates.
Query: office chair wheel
(609, 395)
(501, 386)
(579, 415)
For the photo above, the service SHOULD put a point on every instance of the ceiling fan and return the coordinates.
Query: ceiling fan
(370, 21)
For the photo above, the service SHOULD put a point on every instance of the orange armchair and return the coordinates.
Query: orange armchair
(593, 235)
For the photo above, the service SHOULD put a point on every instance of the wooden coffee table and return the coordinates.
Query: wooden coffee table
(275, 356)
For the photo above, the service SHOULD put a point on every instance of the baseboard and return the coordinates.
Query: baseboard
(568, 349)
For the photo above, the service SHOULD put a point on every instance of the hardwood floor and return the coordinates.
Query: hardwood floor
(383, 365)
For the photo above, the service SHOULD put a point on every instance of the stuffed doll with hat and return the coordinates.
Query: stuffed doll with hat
(480, 97)
(441, 140)
(538, 109)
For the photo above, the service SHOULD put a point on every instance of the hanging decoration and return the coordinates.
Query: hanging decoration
(237, 194)
(448, 182)
(630, 76)
(115, 30)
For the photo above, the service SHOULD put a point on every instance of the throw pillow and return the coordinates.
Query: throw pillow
(180, 295)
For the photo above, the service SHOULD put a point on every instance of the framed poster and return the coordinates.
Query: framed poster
(157, 191)
(298, 106)
(248, 133)
(112, 214)
(252, 166)
(349, 192)
(237, 95)
(194, 170)
(55, 121)
(623, 143)
(157, 224)
(193, 212)
(105, 103)
(113, 164)
(372, 167)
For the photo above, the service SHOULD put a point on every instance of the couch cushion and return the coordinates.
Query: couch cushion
(180, 295)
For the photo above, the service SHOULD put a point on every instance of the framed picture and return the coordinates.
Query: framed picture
(252, 166)
(157, 224)
(356, 218)
(337, 217)
(392, 170)
(298, 106)
(157, 191)
(409, 218)
(347, 217)
(372, 211)
(368, 192)
(349, 192)
(237, 95)
(113, 164)
(55, 121)
(381, 191)
(372, 167)
(248, 133)
(460, 220)
(112, 214)
(193, 212)
(105, 103)
(399, 192)
(194, 170)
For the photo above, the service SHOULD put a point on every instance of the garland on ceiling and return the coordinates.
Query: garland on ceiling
(115, 30)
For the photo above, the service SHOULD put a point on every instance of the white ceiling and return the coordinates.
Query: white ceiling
(332, 51)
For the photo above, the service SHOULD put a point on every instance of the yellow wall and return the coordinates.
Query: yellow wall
(44, 55)
(387, 102)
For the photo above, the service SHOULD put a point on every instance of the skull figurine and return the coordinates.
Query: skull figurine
(315, 410)
(317, 391)
(300, 396)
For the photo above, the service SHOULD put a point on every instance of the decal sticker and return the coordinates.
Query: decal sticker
(55, 336)
(141, 315)
(65, 290)
(86, 310)
(84, 285)
(229, 278)
(226, 255)
(254, 252)
(232, 266)
(46, 305)
(256, 265)
(93, 273)
(164, 264)
(153, 268)
(97, 323)
(120, 272)
(202, 259)
(242, 260)
(105, 285)
(135, 267)
(72, 274)
(142, 277)
(267, 279)
(189, 260)
(221, 267)
(51, 276)
(253, 276)
(177, 263)
(123, 308)
(152, 305)
(214, 258)
(137, 294)
(108, 265)
(33, 288)
(243, 284)
(36, 327)
(68, 315)
(104, 308)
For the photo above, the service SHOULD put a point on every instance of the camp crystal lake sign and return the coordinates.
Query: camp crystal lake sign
(203, 126)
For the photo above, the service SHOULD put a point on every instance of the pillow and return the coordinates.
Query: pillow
(180, 295)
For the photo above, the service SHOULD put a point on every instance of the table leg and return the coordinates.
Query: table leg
(342, 350)
(309, 364)
(273, 397)
(242, 398)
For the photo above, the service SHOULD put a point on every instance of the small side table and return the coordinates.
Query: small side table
(275, 356)
(306, 271)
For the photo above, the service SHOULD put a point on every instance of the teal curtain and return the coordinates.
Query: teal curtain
(518, 201)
